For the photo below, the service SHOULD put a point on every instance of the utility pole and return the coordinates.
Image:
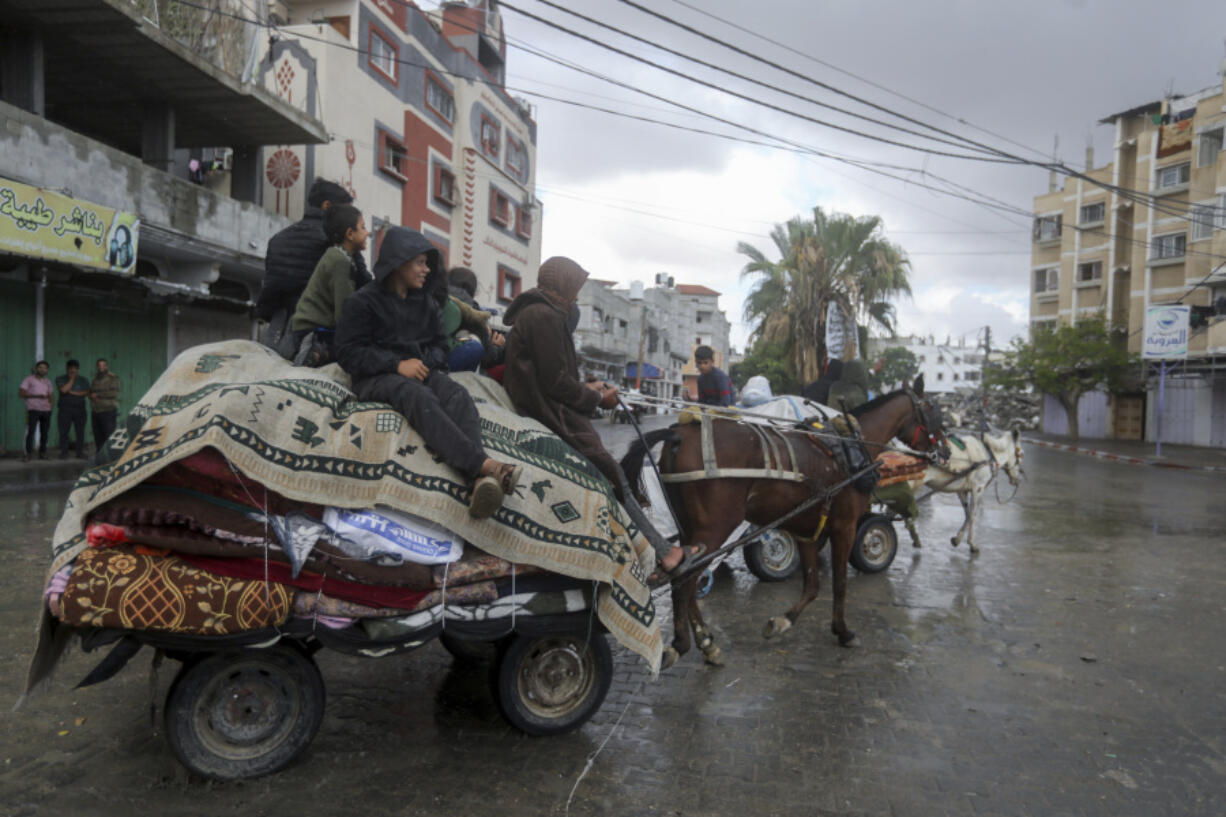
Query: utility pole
(983, 379)
(638, 369)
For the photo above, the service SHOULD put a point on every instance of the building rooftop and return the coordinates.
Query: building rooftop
(104, 60)
(1148, 107)
(695, 289)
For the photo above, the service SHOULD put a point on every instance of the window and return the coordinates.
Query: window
(1046, 280)
(508, 284)
(1090, 271)
(1201, 216)
(971, 375)
(1047, 228)
(517, 157)
(1094, 213)
(490, 136)
(444, 185)
(1210, 147)
(1221, 212)
(1173, 175)
(393, 158)
(500, 208)
(523, 222)
(439, 100)
(382, 55)
(940, 358)
(955, 375)
(940, 375)
(1168, 246)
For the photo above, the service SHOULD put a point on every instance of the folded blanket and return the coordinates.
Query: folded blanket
(122, 588)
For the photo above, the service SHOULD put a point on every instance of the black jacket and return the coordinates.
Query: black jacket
(291, 258)
(379, 328)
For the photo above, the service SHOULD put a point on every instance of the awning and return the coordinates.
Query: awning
(649, 372)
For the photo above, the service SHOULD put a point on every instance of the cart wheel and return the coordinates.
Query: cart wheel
(468, 650)
(876, 544)
(705, 582)
(548, 685)
(244, 713)
(773, 557)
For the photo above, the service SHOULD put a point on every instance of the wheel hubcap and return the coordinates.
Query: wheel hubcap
(245, 711)
(875, 546)
(556, 676)
(777, 550)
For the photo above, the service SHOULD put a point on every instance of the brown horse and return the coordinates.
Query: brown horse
(710, 509)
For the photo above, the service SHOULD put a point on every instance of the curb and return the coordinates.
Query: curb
(1121, 458)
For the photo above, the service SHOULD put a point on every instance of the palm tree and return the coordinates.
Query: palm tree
(833, 259)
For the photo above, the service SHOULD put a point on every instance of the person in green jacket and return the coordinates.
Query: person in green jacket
(851, 389)
(319, 309)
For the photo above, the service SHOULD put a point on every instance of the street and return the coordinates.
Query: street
(1073, 667)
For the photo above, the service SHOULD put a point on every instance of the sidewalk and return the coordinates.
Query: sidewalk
(1136, 452)
(52, 472)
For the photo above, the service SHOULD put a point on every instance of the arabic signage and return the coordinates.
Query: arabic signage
(41, 224)
(1166, 333)
(840, 333)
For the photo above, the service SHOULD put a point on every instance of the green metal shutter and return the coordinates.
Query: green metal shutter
(121, 327)
(16, 358)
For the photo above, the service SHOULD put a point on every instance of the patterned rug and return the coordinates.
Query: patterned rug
(299, 432)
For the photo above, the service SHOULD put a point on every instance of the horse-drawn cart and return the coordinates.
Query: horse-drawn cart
(250, 514)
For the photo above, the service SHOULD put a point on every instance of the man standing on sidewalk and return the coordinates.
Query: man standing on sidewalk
(70, 408)
(104, 400)
(36, 391)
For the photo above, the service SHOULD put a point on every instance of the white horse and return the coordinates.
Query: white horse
(970, 468)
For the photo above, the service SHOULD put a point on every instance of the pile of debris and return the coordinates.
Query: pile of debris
(1003, 410)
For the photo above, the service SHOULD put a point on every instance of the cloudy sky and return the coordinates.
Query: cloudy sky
(628, 198)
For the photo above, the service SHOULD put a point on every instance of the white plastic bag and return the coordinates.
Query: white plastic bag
(390, 537)
(756, 392)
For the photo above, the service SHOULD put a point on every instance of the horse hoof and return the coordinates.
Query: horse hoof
(714, 656)
(974, 548)
(916, 544)
(846, 639)
(669, 658)
(953, 540)
(776, 626)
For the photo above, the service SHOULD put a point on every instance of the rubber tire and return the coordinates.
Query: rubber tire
(468, 651)
(537, 717)
(878, 529)
(773, 567)
(284, 670)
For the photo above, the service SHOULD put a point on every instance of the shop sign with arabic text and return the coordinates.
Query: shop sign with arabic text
(1166, 332)
(40, 224)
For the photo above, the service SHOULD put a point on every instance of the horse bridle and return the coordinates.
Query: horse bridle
(922, 428)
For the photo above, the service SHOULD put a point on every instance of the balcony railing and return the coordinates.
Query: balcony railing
(224, 32)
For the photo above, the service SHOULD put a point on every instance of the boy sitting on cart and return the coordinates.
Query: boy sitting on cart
(390, 341)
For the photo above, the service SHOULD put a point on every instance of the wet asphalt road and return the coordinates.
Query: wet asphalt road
(1074, 667)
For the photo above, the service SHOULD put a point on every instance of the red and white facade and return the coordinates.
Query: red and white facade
(423, 131)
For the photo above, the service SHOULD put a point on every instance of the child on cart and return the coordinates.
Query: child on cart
(391, 343)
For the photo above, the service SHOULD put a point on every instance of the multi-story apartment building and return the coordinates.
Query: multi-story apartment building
(1147, 228)
(126, 232)
(423, 132)
(946, 367)
(662, 324)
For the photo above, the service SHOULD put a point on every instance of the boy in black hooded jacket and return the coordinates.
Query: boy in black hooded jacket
(391, 343)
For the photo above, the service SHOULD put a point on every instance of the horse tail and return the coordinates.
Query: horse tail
(632, 463)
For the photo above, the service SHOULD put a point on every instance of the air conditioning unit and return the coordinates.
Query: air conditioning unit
(278, 12)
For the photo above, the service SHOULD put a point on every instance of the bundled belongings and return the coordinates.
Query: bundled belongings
(246, 501)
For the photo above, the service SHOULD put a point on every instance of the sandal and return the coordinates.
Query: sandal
(660, 577)
(508, 475)
(486, 498)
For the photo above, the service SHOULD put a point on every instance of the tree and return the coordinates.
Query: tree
(897, 364)
(769, 360)
(834, 258)
(1067, 362)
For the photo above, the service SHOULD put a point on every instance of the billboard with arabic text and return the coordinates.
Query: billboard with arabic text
(38, 223)
(1166, 332)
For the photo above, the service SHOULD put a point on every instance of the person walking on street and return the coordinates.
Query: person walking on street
(104, 402)
(36, 391)
(72, 390)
